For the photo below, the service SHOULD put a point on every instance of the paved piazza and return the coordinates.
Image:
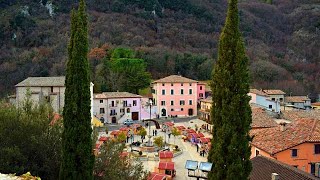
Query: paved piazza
(189, 151)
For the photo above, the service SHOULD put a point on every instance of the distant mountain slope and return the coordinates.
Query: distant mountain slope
(282, 38)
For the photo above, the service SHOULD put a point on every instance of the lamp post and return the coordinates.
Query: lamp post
(149, 141)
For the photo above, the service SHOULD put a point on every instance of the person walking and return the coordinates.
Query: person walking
(197, 148)
(155, 132)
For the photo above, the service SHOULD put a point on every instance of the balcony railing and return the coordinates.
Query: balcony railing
(127, 105)
(113, 114)
(110, 105)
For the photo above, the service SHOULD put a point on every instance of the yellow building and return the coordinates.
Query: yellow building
(205, 107)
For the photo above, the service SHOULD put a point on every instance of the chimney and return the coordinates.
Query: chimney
(283, 126)
(274, 176)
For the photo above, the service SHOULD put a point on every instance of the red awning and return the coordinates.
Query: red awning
(165, 154)
(166, 165)
(204, 140)
(181, 127)
(190, 131)
(98, 146)
(200, 135)
(169, 123)
(124, 129)
(156, 176)
(103, 138)
(115, 132)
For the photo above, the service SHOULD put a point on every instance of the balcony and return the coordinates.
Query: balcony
(127, 105)
(113, 114)
(111, 106)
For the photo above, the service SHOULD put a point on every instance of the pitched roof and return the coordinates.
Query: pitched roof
(273, 140)
(42, 81)
(299, 114)
(296, 98)
(258, 92)
(274, 92)
(175, 79)
(315, 104)
(263, 167)
(260, 118)
(109, 95)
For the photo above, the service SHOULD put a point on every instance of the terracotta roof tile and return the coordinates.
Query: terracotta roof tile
(175, 79)
(42, 81)
(263, 167)
(258, 92)
(274, 92)
(315, 104)
(109, 95)
(296, 98)
(260, 118)
(273, 140)
(298, 114)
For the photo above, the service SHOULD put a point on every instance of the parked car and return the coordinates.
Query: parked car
(128, 122)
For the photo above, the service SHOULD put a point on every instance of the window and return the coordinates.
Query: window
(125, 103)
(312, 168)
(181, 91)
(163, 92)
(122, 110)
(296, 166)
(281, 99)
(172, 109)
(101, 110)
(294, 152)
(181, 109)
(134, 102)
(128, 110)
(112, 103)
(101, 101)
(200, 87)
(182, 102)
(190, 84)
(171, 103)
(113, 112)
(171, 84)
(317, 148)
(153, 91)
(273, 99)
(190, 102)
(52, 89)
(257, 152)
(172, 91)
(163, 103)
(162, 84)
(270, 106)
(190, 91)
(181, 84)
(201, 95)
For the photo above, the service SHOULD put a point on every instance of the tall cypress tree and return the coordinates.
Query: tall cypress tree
(231, 113)
(77, 154)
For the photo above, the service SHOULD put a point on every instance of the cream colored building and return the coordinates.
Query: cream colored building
(44, 89)
(205, 107)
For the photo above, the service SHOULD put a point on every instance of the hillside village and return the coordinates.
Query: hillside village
(159, 90)
(284, 128)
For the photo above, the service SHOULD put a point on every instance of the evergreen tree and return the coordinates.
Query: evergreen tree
(231, 113)
(77, 154)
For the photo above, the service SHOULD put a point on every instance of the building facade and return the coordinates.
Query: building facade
(205, 109)
(263, 100)
(296, 144)
(175, 96)
(275, 94)
(116, 107)
(44, 89)
(298, 102)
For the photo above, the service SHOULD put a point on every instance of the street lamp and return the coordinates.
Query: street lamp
(149, 141)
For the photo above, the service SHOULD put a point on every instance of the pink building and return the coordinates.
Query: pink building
(175, 96)
(201, 90)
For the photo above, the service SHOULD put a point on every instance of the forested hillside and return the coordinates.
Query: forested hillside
(173, 36)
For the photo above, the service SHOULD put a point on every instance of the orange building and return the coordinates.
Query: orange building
(296, 144)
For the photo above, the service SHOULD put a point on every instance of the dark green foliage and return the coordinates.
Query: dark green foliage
(28, 143)
(77, 154)
(231, 113)
(124, 72)
(110, 164)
